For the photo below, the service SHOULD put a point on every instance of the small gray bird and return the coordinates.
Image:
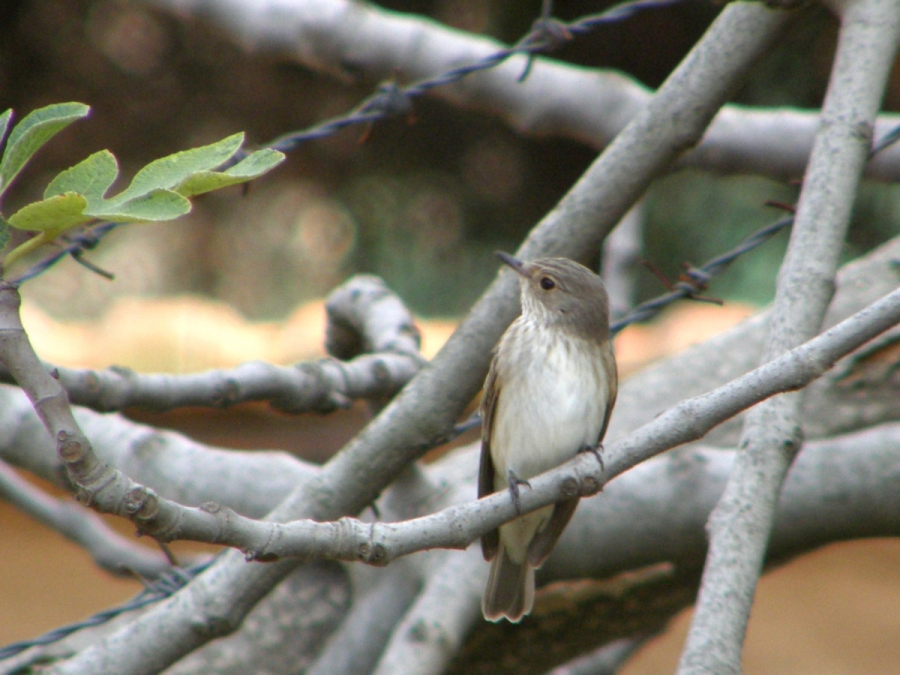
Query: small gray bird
(548, 395)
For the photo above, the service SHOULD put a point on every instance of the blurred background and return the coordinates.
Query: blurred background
(422, 202)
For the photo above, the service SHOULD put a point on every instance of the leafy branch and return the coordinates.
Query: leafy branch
(78, 195)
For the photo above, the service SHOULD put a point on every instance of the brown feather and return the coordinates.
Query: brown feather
(490, 542)
(546, 539)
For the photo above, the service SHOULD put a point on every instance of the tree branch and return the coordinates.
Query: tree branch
(367, 323)
(321, 386)
(436, 625)
(607, 660)
(169, 463)
(378, 606)
(347, 38)
(619, 266)
(740, 525)
(110, 550)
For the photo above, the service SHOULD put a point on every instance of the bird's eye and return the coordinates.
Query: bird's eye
(548, 284)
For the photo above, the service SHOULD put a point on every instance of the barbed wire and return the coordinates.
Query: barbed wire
(73, 244)
(392, 100)
(695, 280)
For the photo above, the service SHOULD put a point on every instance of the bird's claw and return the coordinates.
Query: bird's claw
(595, 451)
(514, 483)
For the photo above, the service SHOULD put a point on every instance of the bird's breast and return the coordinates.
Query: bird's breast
(552, 400)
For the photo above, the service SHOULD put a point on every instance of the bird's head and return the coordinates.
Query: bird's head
(562, 292)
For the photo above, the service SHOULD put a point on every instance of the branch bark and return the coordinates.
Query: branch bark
(742, 521)
(619, 266)
(370, 332)
(347, 38)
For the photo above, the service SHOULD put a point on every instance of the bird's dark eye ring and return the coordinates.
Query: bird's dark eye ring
(547, 284)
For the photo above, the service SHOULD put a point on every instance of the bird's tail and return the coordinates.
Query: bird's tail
(510, 589)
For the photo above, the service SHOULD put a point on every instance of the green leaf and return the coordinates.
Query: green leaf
(167, 172)
(155, 205)
(4, 122)
(52, 215)
(32, 132)
(90, 178)
(253, 166)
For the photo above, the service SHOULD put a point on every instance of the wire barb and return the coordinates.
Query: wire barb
(695, 280)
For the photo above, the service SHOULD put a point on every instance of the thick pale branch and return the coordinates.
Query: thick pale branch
(436, 625)
(320, 386)
(377, 608)
(366, 317)
(607, 660)
(619, 266)
(171, 464)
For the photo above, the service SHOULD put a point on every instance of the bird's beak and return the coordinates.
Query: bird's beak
(515, 263)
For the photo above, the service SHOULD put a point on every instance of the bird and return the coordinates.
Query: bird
(548, 395)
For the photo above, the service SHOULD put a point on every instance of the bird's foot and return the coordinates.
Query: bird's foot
(514, 483)
(595, 451)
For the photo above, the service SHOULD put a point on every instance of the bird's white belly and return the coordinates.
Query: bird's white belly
(559, 409)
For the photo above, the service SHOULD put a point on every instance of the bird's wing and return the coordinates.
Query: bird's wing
(612, 381)
(490, 542)
(544, 541)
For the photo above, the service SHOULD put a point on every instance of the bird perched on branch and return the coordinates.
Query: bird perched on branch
(548, 395)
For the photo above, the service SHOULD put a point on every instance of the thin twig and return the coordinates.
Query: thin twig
(111, 551)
